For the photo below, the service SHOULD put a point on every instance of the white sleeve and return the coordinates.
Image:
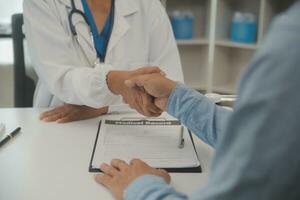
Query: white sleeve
(163, 48)
(56, 63)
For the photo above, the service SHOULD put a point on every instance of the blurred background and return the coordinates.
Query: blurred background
(7, 9)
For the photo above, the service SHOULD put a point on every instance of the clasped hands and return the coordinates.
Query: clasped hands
(145, 90)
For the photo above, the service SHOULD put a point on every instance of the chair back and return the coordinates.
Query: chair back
(23, 85)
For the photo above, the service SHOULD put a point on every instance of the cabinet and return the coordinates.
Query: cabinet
(211, 61)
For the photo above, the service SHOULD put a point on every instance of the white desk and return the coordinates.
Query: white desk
(50, 161)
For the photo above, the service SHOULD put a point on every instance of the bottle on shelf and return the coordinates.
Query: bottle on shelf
(244, 28)
(183, 24)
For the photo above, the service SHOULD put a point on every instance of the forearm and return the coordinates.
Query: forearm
(80, 86)
(198, 113)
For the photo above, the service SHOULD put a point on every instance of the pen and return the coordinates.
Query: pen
(181, 139)
(9, 136)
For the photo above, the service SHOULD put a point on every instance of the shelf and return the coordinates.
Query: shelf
(5, 35)
(225, 89)
(228, 43)
(193, 42)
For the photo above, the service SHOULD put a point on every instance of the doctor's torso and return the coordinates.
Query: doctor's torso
(135, 42)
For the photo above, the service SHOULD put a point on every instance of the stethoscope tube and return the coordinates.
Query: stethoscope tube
(75, 11)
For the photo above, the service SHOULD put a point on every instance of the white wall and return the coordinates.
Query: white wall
(9, 7)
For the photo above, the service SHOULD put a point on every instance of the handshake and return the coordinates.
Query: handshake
(146, 90)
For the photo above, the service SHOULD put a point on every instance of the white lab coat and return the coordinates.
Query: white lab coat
(70, 72)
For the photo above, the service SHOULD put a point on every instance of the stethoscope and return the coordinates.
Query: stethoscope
(75, 11)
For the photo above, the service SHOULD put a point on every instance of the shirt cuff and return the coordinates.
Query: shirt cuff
(105, 70)
(177, 99)
(141, 185)
(106, 97)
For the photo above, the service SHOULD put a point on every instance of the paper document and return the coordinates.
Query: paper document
(153, 141)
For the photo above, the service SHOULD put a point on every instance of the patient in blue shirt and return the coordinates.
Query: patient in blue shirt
(257, 145)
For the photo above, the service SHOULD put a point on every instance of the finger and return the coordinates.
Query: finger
(58, 110)
(148, 106)
(54, 117)
(67, 119)
(163, 171)
(111, 171)
(138, 102)
(48, 113)
(135, 105)
(119, 164)
(161, 103)
(152, 107)
(145, 104)
(139, 81)
(148, 70)
(163, 73)
(76, 117)
(133, 99)
(164, 174)
(103, 179)
(130, 83)
(155, 114)
(82, 113)
(136, 161)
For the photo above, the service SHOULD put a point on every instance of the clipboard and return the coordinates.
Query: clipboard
(196, 169)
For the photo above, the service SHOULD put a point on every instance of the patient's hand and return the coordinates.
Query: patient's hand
(135, 96)
(69, 113)
(119, 175)
(156, 85)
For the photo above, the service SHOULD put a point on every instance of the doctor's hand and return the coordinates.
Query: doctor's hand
(136, 97)
(119, 175)
(156, 85)
(69, 113)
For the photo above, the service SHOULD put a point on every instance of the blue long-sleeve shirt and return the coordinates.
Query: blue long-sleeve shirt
(258, 145)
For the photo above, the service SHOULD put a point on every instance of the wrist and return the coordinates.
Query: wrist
(115, 81)
(170, 87)
(102, 110)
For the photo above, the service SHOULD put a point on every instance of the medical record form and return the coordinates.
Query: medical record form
(160, 142)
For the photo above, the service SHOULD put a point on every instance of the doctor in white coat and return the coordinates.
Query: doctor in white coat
(67, 62)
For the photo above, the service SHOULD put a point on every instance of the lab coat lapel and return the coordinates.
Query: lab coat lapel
(83, 32)
(123, 9)
(85, 38)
